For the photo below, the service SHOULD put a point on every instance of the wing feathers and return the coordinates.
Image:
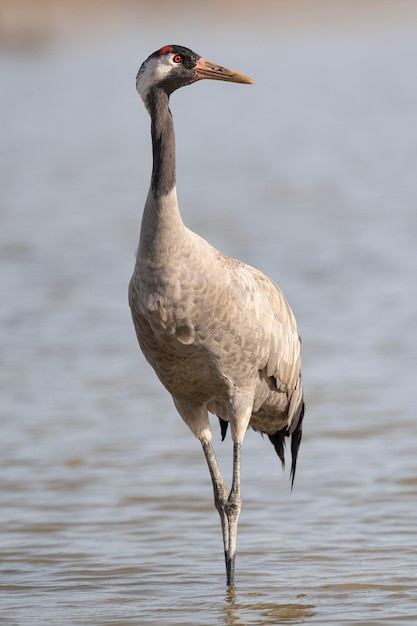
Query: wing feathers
(278, 343)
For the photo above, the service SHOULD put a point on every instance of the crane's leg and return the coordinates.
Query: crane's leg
(228, 506)
(232, 509)
(220, 492)
(240, 410)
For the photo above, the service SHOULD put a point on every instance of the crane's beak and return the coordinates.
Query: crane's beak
(205, 69)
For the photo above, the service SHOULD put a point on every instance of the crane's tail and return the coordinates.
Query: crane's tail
(223, 427)
(278, 441)
(296, 436)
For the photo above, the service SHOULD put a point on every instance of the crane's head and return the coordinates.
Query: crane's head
(173, 66)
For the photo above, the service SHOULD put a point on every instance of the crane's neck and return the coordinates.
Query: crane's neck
(162, 225)
(163, 143)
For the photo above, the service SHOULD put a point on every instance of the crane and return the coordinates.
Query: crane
(219, 334)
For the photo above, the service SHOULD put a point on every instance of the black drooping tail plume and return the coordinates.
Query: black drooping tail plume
(295, 443)
(278, 441)
(223, 427)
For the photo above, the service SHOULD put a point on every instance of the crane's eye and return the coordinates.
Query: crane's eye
(177, 58)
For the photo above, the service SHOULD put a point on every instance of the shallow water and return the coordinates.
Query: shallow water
(106, 504)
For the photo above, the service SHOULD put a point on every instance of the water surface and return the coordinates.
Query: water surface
(106, 504)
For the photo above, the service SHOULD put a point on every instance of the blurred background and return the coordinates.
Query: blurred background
(310, 175)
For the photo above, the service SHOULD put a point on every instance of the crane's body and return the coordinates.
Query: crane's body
(213, 328)
(219, 334)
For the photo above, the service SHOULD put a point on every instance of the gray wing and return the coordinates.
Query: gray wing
(279, 347)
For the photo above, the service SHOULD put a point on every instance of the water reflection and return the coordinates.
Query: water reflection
(241, 612)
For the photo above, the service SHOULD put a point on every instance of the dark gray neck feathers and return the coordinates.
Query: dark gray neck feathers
(163, 143)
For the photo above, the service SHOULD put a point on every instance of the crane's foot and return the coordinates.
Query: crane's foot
(230, 571)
